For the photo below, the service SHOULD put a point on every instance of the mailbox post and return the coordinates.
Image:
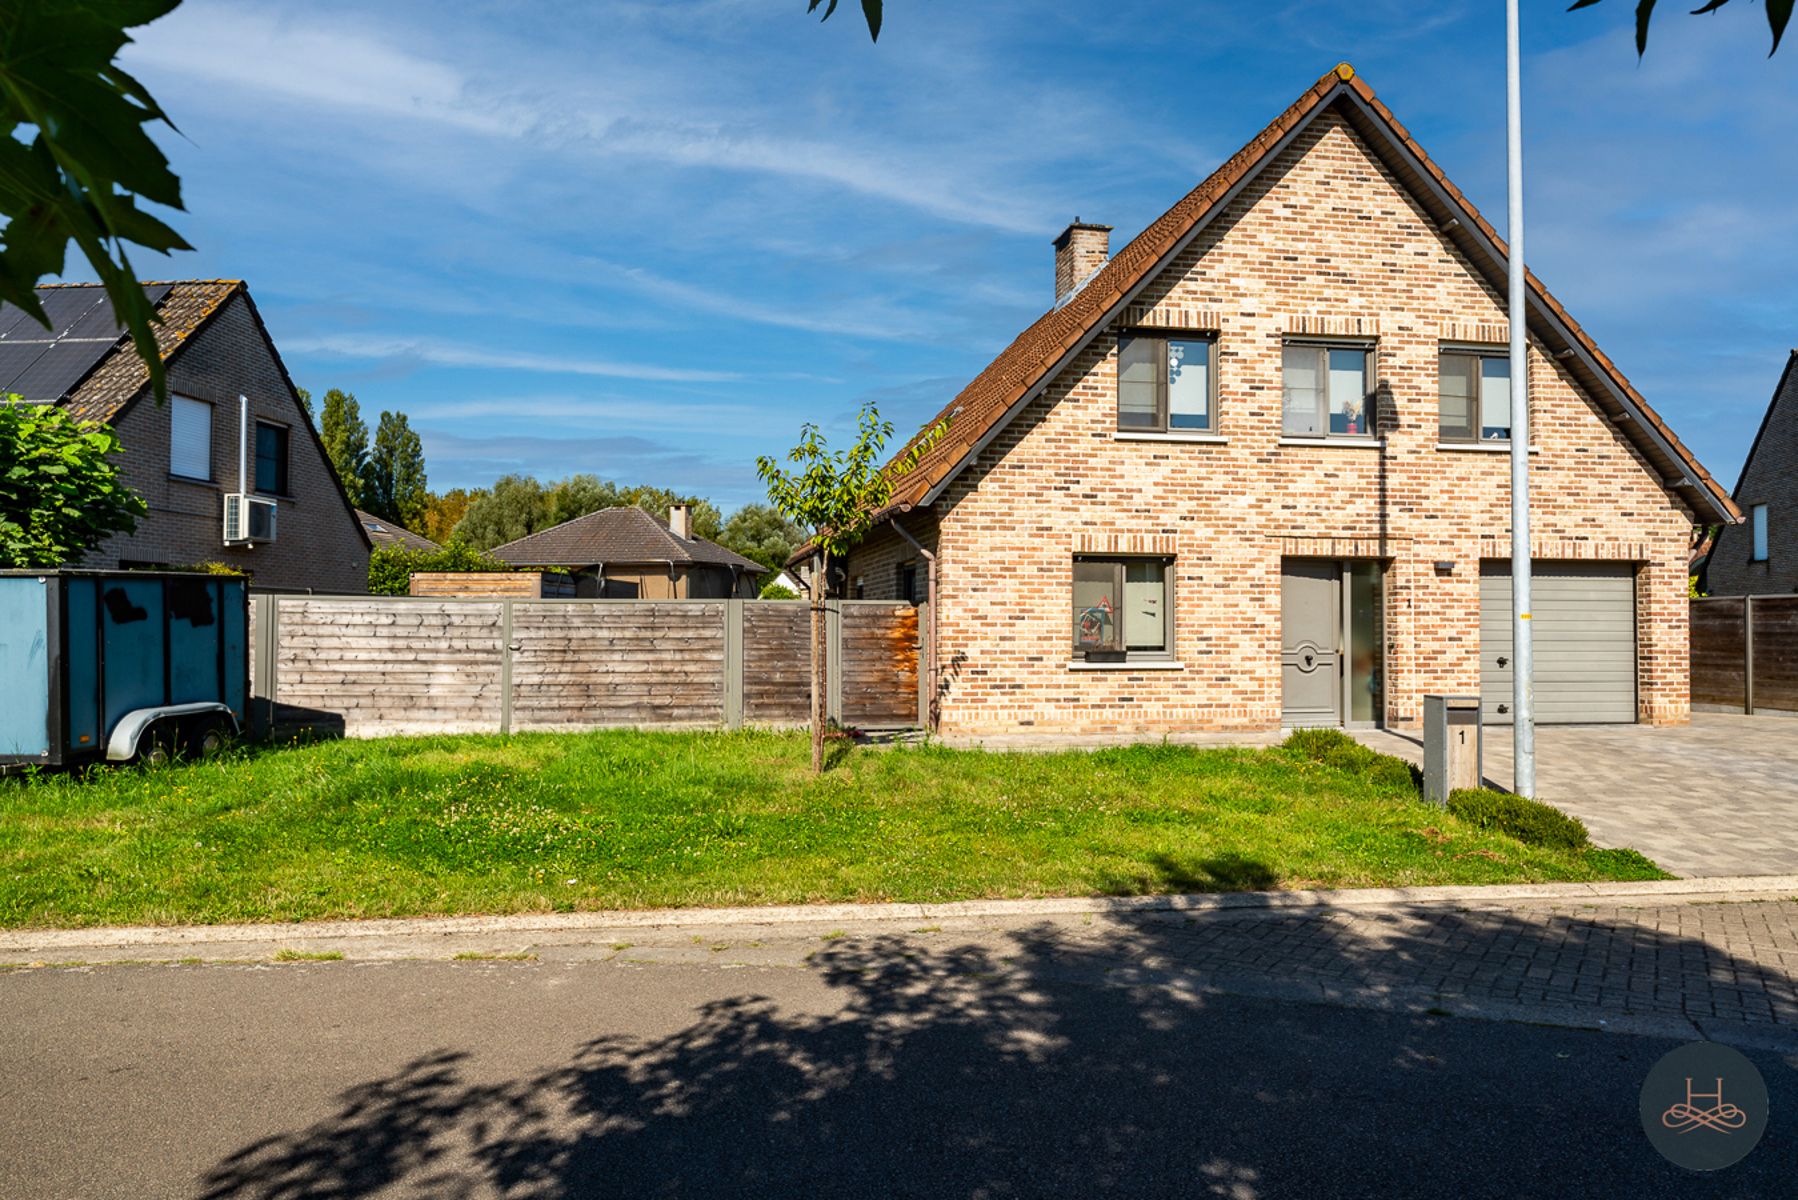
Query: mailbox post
(1454, 746)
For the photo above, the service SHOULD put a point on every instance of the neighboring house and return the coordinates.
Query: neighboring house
(625, 553)
(383, 534)
(1252, 471)
(267, 503)
(1760, 556)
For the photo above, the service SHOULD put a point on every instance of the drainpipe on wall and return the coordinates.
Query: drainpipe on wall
(930, 597)
(243, 449)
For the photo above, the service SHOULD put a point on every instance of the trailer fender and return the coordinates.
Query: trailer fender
(122, 745)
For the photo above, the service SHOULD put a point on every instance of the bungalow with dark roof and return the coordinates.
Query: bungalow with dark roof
(230, 465)
(626, 553)
(1252, 471)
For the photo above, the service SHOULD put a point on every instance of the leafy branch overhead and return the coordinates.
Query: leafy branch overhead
(1779, 14)
(88, 159)
(870, 12)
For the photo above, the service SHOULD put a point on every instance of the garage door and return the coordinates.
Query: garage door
(1585, 640)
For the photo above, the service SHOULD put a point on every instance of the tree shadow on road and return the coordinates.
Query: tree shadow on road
(1053, 1061)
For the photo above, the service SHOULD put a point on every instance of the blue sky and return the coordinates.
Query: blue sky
(648, 239)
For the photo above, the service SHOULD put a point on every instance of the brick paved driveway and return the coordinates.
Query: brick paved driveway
(1716, 797)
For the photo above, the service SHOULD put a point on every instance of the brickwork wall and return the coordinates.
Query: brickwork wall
(1324, 242)
(318, 544)
(1770, 478)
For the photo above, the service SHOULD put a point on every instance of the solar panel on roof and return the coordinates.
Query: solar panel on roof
(13, 317)
(15, 359)
(57, 369)
(99, 321)
(65, 305)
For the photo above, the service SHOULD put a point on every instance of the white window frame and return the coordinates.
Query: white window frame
(176, 408)
(1760, 548)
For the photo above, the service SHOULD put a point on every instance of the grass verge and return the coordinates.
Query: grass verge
(626, 819)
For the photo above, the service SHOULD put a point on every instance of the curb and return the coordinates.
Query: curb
(1670, 891)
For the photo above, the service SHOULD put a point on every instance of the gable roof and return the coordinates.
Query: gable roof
(1779, 393)
(382, 532)
(618, 535)
(1014, 378)
(111, 376)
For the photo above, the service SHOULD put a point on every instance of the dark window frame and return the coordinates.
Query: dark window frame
(1163, 419)
(1370, 382)
(284, 474)
(1476, 400)
(1117, 649)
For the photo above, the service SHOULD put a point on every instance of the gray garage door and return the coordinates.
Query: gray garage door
(1585, 639)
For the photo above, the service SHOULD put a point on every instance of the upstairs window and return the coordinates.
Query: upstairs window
(190, 438)
(1122, 608)
(271, 458)
(1475, 403)
(1167, 384)
(1326, 391)
(1757, 524)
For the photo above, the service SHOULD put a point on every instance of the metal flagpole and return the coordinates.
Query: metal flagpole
(1523, 706)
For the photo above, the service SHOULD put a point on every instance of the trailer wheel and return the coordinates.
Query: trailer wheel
(208, 737)
(156, 748)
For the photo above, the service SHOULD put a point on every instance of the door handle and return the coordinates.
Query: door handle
(1502, 660)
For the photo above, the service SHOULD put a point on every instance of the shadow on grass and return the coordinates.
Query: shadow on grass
(1050, 1065)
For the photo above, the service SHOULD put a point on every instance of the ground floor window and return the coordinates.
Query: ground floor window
(1123, 608)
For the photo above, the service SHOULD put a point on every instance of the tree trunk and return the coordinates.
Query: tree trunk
(819, 583)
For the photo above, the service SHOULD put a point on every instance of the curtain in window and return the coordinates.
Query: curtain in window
(1302, 399)
(1139, 368)
(1188, 385)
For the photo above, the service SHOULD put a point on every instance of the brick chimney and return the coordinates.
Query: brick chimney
(1080, 250)
(680, 521)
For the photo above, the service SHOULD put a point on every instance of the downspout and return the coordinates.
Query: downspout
(930, 598)
(243, 450)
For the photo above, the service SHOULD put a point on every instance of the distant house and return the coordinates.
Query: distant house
(625, 553)
(1760, 556)
(384, 533)
(229, 465)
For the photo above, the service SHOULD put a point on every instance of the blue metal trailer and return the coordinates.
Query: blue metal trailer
(119, 664)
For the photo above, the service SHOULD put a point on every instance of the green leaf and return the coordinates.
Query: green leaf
(1779, 14)
(1644, 13)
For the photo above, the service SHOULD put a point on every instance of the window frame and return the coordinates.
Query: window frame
(285, 475)
(1370, 379)
(1125, 654)
(175, 400)
(1760, 539)
(1479, 353)
(1162, 420)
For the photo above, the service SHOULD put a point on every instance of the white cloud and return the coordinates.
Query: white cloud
(438, 353)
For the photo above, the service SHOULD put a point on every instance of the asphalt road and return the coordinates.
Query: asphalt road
(869, 1072)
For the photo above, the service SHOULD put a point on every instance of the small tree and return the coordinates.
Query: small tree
(60, 491)
(836, 497)
(393, 485)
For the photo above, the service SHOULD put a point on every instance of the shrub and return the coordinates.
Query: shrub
(1623, 863)
(1334, 748)
(775, 590)
(390, 568)
(1528, 821)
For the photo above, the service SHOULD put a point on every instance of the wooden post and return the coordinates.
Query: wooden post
(733, 664)
(833, 659)
(1748, 655)
(926, 667)
(505, 665)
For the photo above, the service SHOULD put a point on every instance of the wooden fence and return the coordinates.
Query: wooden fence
(374, 666)
(1745, 653)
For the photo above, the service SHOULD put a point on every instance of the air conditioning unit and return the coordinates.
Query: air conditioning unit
(248, 519)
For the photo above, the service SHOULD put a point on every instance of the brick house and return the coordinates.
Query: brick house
(183, 455)
(1760, 556)
(1252, 470)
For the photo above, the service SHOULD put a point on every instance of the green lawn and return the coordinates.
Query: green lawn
(625, 819)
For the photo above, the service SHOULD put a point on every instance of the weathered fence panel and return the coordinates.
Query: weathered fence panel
(777, 677)
(581, 665)
(1744, 653)
(880, 665)
(374, 666)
